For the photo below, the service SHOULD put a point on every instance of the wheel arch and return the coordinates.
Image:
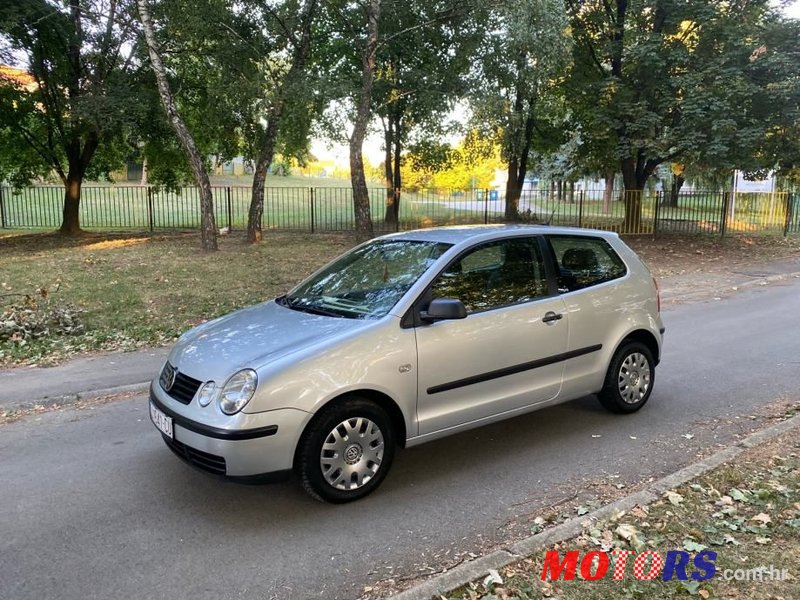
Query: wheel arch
(645, 337)
(386, 402)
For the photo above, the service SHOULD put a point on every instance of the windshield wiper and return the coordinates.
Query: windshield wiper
(294, 304)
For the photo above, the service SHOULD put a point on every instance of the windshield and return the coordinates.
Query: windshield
(366, 282)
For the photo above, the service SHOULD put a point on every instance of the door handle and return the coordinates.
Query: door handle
(551, 317)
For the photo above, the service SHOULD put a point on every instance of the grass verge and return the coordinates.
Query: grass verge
(747, 512)
(137, 290)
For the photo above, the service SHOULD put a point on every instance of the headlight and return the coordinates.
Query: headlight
(237, 391)
(206, 393)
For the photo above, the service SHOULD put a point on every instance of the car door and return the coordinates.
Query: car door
(591, 280)
(507, 353)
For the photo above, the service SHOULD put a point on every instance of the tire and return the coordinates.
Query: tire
(360, 448)
(629, 380)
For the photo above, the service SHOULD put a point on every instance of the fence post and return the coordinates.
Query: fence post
(786, 225)
(486, 207)
(726, 200)
(580, 209)
(660, 197)
(2, 208)
(311, 202)
(230, 208)
(150, 215)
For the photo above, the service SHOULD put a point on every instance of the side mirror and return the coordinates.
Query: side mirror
(444, 309)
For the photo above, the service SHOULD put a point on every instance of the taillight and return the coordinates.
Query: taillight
(658, 295)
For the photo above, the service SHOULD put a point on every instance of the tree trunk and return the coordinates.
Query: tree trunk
(513, 190)
(70, 221)
(397, 179)
(388, 142)
(608, 192)
(571, 192)
(675, 190)
(79, 159)
(635, 173)
(394, 178)
(518, 163)
(263, 162)
(358, 180)
(208, 228)
(267, 147)
(143, 179)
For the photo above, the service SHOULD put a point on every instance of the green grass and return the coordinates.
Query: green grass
(138, 290)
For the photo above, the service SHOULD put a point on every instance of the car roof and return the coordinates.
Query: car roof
(462, 233)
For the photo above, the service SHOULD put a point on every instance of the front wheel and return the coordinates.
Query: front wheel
(346, 451)
(629, 380)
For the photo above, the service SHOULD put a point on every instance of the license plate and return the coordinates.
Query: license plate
(160, 420)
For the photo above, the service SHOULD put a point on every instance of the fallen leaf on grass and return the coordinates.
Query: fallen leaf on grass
(692, 546)
(762, 518)
(493, 578)
(674, 497)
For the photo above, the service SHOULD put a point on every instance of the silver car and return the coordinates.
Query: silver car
(405, 339)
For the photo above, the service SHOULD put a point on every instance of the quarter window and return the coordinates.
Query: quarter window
(496, 274)
(584, 261)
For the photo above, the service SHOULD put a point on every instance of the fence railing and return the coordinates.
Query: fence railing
(330, 209)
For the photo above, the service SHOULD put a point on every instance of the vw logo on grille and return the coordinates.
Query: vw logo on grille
(167, 378)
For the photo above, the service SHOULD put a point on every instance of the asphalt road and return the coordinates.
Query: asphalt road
(92, 505)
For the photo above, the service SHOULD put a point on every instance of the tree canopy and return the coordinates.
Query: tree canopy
(565, 88)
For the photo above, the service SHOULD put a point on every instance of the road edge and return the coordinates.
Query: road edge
(66, 400)
(466, 572)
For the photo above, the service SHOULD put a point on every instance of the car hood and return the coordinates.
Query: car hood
(253, 337)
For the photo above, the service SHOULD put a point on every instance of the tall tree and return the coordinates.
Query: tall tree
(361, 207)
(208, 228)
(663, 80)
(425, 59)
(284, 84)
(75, 111)
(523, 57)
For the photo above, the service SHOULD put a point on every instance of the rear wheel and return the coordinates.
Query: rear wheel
(629, 380)
(346, 451)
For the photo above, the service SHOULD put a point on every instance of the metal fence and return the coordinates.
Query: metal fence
(330, 209)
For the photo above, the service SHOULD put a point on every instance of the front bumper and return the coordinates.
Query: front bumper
(262, 451)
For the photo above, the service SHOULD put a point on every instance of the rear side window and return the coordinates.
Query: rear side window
(584, 261)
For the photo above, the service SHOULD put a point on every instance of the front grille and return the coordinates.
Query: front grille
(184, 388)
(201, 460)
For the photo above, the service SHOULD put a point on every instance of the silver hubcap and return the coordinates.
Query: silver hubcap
(352, 453)
(634, 378)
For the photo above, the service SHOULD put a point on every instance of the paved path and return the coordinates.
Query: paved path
(94, 505)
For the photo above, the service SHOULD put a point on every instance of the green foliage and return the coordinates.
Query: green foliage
(79, 93)
(472, 164)
(522, 60)
(654, 82)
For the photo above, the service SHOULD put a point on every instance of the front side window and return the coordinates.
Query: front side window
(495, 274)
(584, 261)
(366, 282)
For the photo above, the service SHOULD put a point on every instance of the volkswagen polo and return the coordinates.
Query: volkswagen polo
(405, 339)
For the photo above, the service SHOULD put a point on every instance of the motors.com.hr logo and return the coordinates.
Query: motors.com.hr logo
(675, 565)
